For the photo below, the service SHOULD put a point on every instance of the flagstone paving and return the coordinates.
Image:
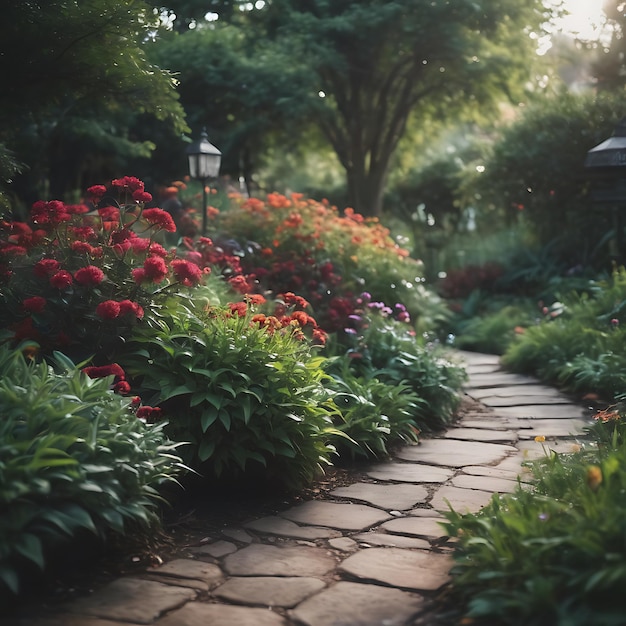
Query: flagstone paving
(371, 553)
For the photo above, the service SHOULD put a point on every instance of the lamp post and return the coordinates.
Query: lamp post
(606, 163)
(204, 163)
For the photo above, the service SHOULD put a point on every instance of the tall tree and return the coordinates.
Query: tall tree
(375, 63)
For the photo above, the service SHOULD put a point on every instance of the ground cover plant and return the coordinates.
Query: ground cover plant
(579, 344)
(553, 553)
(75, 458)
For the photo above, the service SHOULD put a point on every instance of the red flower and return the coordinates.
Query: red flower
(128, 306)
(139, 244)
(149, 414)
(36, 304)
(293, 299)
(155, 268)
(109, 214)
(240, 308)
(102, 371)
(186, 272)
(46, 267)
(122, 388)
(128, 182)
(82, 247)
(77, 209)
(108, 310)
(255, 298)
(141, 196)
(61, 280)
(160, 218)
(83, 232)
(120, 236)
(95, 192)
(121, 249)
(89, 276)
(14, 250)
(139, 275)
(52, 213)
(158, 249)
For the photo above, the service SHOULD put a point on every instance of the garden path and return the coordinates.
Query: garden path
(370, 553)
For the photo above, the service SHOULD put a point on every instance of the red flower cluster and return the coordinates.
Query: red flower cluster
(89, 276)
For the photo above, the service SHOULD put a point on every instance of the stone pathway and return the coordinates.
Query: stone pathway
(374, 554)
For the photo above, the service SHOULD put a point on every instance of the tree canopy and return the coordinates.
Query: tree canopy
(78, 67)
(359, 70)
(378, 63)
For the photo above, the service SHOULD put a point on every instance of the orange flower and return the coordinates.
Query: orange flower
(594, 477)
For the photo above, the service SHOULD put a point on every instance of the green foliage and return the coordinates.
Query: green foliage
(243, 396)
(89, 60)
(73, 458)
(582, 348)
(535, 174)
(495, 330)
(552, 553)
(384, 348)
(373, 414)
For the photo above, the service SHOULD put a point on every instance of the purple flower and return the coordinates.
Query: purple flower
(349, 331)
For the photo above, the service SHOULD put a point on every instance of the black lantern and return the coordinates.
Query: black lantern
(204, 163)
(606, 164)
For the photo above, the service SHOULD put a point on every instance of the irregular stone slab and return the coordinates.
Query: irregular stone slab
(131, 600)
(416, 526)
(201, 614)
(188, 568)
(237, 534)
(482, 368)
(521, 400)
(533, 450)
(269, 590)
(518, 391)
(406, 569)
(494, 472)
(345, 544)
(485, 483)
(477, 358)
(263, 560)
(482, 381)
(461, 500)
(395, 541)
(192, 583)
(336, 515)
(274, 525)
(399, 497)
(409, 473)
(354, 604)
(545, 411)
(481, 434)
(513, 463)
(491, 423)
(452, 453)
(63, 619)
(217, 549)
(554, 428)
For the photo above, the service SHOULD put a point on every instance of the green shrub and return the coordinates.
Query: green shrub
(373, 414)
(581, 348)
(493, 331)
(73, 457)
(243, 389)
(384, 346)
(553, 554)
